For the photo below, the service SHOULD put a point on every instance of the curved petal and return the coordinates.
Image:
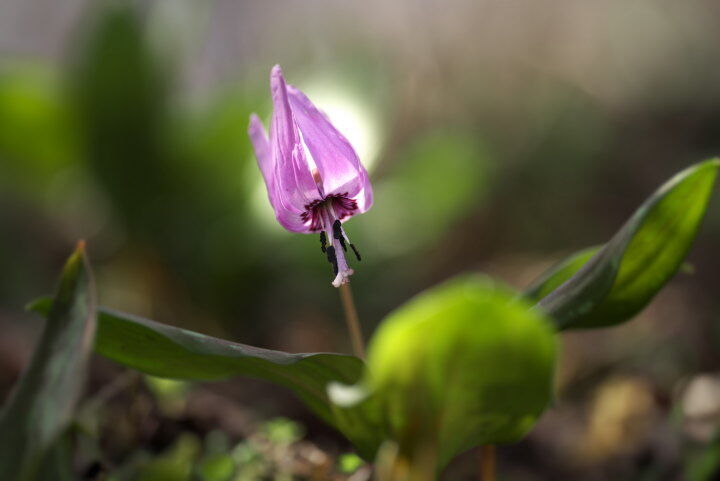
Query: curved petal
(261, 146)
(289, 219)
(294, 183)
(364, 198)
(292, 187)
(336, 160)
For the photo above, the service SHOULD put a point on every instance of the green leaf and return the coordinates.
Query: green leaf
(217, 467)
(175, 464)
(166, 351)
(558, 274)
(38, 135)
(42, 404)
(463, 364)
(621, 278)
(348, 463)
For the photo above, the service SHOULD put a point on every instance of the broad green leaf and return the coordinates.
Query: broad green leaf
(621, 278)
(42, 404)
(166, 351)
(463, 364)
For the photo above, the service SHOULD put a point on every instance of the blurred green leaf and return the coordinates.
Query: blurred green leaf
(174, 465)
(438, 179)
(57, 463)
(121, 94)
(247, 455)
(463, 364)
(348, 463)
(282, 431)
(626, 273)
(169, 394)
(703, 464)
(217, 467)
(42, 404)
(38, 135)
(166, 351)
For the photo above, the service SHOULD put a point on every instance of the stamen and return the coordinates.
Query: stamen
(338, 234)
(332, 258)
(325, 219)
(357, 254)
(323, 240)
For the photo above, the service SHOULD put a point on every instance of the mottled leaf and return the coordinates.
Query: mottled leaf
(170, 352)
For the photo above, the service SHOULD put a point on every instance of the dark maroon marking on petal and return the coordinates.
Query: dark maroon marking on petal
(313, 214)
(342, 206)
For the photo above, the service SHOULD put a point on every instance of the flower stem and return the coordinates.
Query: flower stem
(487, 463)
(352, 321)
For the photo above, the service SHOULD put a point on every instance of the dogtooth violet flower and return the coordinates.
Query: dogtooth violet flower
(314, 178)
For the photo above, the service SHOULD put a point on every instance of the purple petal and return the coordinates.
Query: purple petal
(336, 160)
(289, 219)
(261, 145)
(295, 186)
(364, 198)
(292, 187)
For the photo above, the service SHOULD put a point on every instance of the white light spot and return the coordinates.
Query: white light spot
(350, 115)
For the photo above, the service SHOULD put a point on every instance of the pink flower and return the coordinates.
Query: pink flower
(314, 178)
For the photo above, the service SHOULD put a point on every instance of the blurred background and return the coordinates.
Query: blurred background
(499, 137)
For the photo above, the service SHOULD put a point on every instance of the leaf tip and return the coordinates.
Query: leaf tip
(710, 167)
(709, 164)
(78, 259)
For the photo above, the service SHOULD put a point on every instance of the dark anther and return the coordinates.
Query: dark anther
(332, 259)
(323, 241)
(357, 254)
(337, 229)
(337, 233)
